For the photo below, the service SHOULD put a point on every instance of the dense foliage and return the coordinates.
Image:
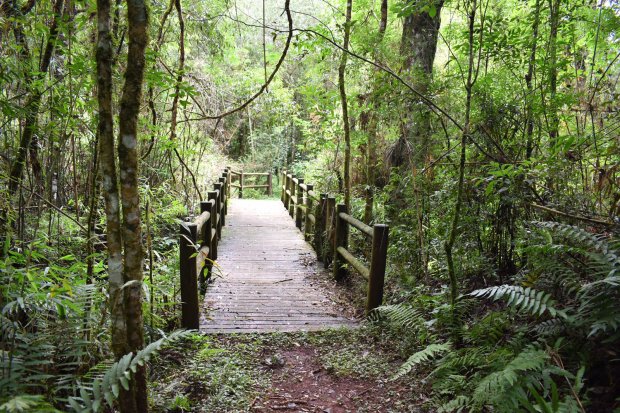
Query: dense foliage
(484, 132)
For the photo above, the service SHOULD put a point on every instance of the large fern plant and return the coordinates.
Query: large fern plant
(582, 271)
(511, 356)
(105, 387)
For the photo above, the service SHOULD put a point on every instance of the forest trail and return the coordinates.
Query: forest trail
(267, 277)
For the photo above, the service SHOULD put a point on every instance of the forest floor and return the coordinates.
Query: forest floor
(334, 371)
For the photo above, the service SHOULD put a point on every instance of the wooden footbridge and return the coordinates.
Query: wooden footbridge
(253, 261)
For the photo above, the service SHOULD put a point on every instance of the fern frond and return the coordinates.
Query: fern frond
(26, 403)
(524, 299)
(107, 388)
(549, 327)
(497, 383)
(458, 404)
(401, 315)
(422, 356)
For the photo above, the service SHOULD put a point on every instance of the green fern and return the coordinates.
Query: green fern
(524, 299)
(401, 315)
(106, 389)
(551, 327)
(27, 403)
(458, 404)
(422, 356)
(497, 383)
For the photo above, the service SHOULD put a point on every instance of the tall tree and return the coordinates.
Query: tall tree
(554, 23)
(124, 242)
(345, 109)
(370, 120)
(418, 48)
(33, 102)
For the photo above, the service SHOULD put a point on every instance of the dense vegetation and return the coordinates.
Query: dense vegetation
(484, 132)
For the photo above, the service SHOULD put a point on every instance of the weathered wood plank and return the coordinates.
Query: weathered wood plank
(266, 278)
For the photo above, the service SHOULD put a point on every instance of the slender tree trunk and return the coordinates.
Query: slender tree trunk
(345, 109)
(175, 101)
(34, 102)
(109, 179)
(371, 176)
(449, 244)
(529, 149)
(554, 22)
(128, 166)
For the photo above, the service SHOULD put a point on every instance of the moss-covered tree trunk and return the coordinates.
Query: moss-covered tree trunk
(371, 128)
(418, 48)
(33, 102)
(345, 108)
(137, 17)
(124, 242)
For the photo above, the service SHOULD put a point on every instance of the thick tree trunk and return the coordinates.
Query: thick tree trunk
(418, 48)
(345, 108)
(125, 270)
(128, 167)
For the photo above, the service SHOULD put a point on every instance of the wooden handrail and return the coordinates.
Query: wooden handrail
(241, 183)
(198, 242)
(357, 264)
(326, 225)
(356, 223)
(257, 173)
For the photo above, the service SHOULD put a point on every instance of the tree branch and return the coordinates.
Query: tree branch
(273, 73)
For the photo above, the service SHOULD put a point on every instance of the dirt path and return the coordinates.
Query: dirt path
(304, 384)
(334, 371)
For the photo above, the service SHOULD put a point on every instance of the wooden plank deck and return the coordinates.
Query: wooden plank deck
(269, 278)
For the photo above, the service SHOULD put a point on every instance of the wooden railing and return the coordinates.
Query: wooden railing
(198, 249)
(326, 225)
(241, 183)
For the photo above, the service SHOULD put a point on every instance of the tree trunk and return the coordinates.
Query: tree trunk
(128, 166)
(345, 109)
(34, 101)
(418, 48)
(371, 176)
(530, 87)
(124, 243)
(554, 22)
(449, 244)
(109, 178)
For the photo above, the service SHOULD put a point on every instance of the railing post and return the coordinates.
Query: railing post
(212, 196)
(319, 229)
(270, 185)
(340, 240)
(287, 198)
(205, 274)
(377, 266)
(189, 286)
(283, 187)
(241, 185)
(224, 197)
(329, 230)
(291, 207)
(218, 207)
(300, 204)
(308, 204)
(228, 182)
